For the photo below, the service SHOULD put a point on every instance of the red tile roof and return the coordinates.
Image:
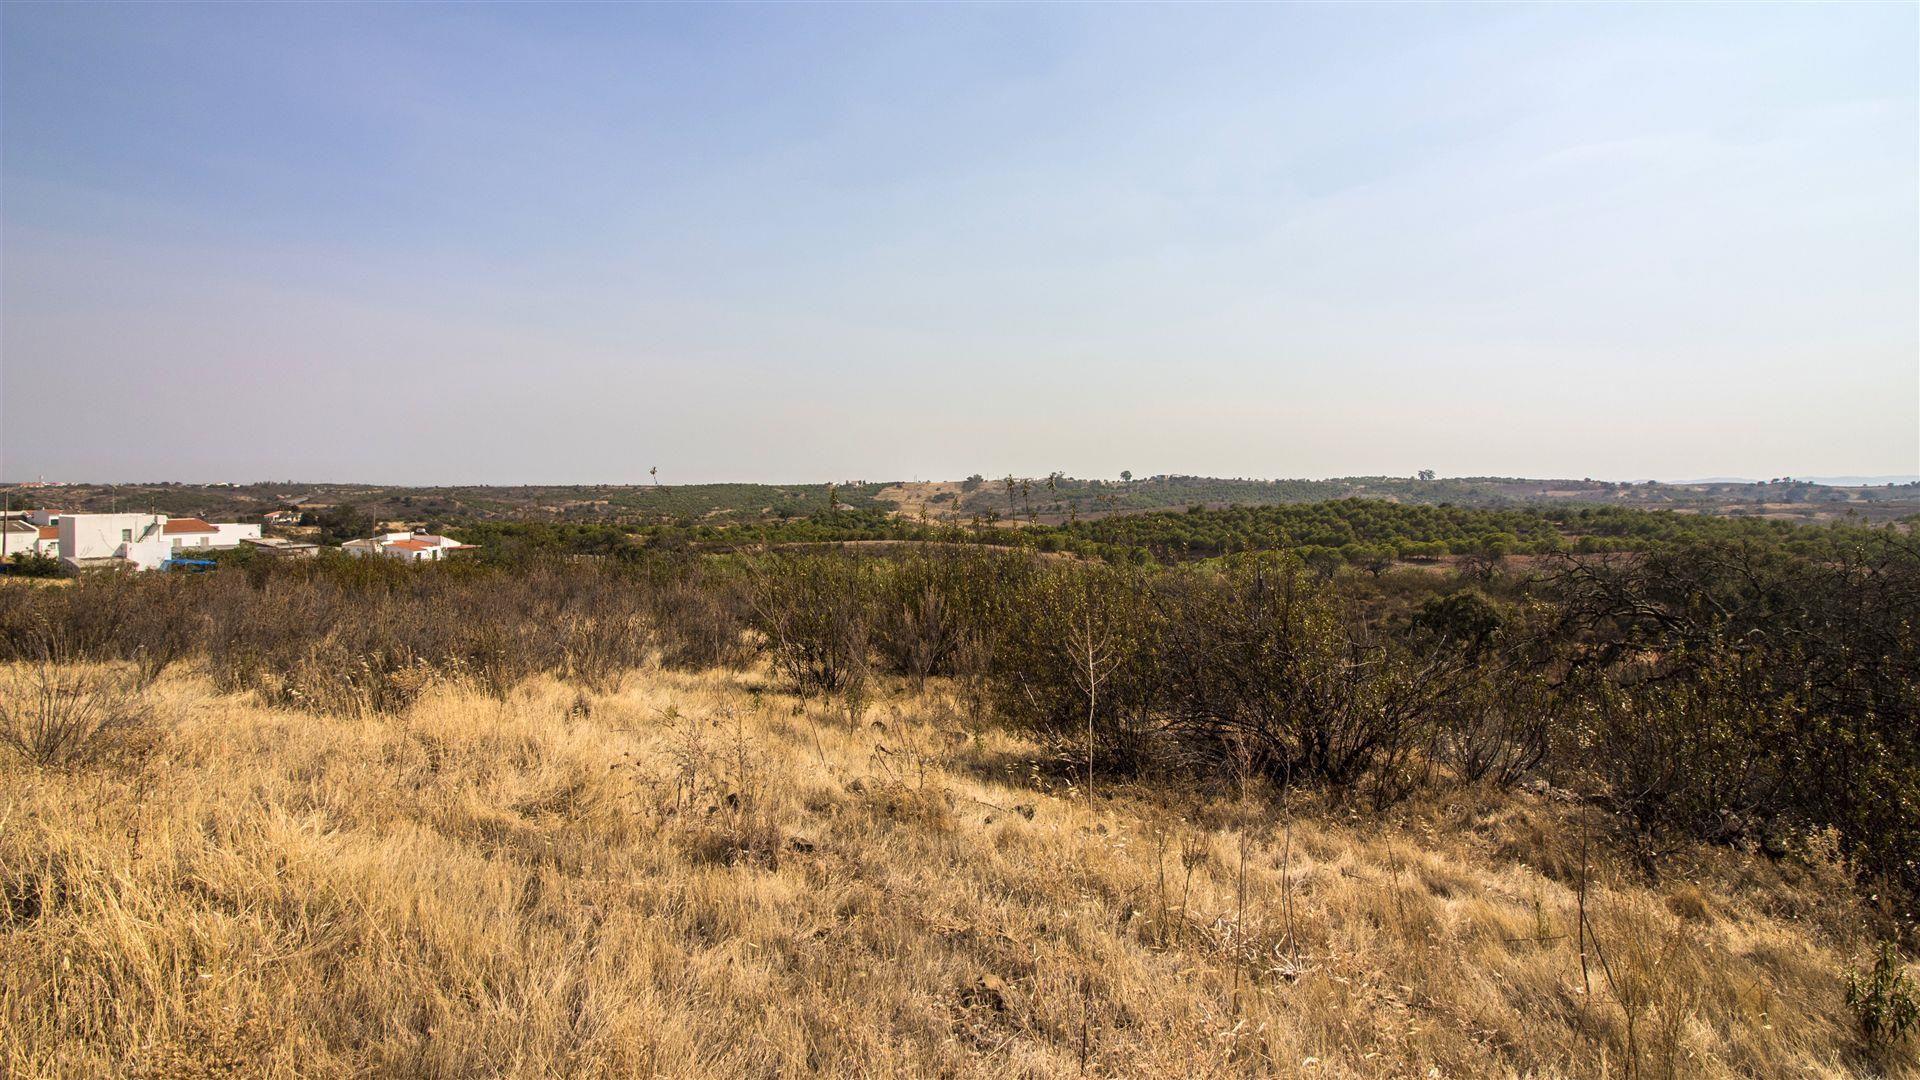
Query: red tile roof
(187, 525)
(412, 545)
(49, 532)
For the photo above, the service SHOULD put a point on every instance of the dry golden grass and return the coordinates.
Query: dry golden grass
(696, 876)
(915, 500)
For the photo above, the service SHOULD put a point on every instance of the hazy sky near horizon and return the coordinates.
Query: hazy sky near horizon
(484, 243)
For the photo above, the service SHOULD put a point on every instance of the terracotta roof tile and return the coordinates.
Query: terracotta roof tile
(186, 525)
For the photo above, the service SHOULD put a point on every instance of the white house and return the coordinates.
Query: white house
(413, 547)
(280, 548)
(142, 541)
(36, 531)
(18, 535)
(98, 539)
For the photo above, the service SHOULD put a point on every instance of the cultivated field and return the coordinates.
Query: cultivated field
(697, 874)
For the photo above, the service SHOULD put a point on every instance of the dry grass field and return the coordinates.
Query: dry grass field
(698, 875)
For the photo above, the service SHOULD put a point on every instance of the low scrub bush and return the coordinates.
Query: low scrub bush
(32, 564)
(1075, 661)
(1725, 691)
(816, 613)
(1734, 690)
(1501, 731)
(1260, 656)
(1251, 665)
(697, 625)
(54, 714)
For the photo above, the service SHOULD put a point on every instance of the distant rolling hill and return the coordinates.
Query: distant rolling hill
(1051, 499)
(1825, 481)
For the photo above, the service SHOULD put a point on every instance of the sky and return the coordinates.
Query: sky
(450, 244)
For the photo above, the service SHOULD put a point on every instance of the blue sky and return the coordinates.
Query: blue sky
(499, 243)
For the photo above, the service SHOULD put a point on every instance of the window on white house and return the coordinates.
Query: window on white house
(203, 541)
(126, 536)
(176, 541)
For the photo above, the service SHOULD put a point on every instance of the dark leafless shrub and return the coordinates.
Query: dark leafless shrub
(1498, 726)
(160, 627)
(600, 650)
(55, 714)
(697, 626)
(24, 622)
(918, 634)
(487, 652)
(816, 613)
(1260, 657)
(1696, 756)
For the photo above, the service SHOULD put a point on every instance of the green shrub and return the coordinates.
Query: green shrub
(1884, 999)
(32, 564)
(1075, 661)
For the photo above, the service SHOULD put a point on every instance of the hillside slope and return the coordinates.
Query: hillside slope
(700, 876)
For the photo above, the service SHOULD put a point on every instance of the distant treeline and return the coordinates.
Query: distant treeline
(1052, 499)
(1358, 532)
(624, 504)
(1058, 498)
(1363, 530)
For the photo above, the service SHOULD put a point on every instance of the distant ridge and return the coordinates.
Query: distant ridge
(1826, 481)
(1859, 481)
(1049, 500)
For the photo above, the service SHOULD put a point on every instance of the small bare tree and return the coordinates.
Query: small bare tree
(1094, 659)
